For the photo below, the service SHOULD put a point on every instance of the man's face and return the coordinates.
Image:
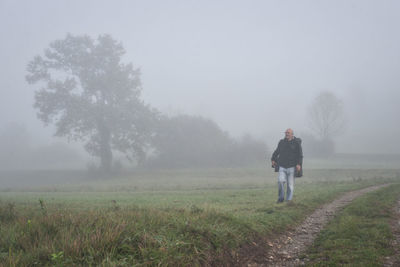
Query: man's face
(289, 134)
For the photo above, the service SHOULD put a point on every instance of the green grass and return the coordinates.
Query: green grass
(360, 235)
(201, 225)
(173, 180)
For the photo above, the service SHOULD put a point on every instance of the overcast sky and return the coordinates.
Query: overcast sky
(252, 66)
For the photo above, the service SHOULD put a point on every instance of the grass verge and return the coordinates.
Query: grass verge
(187, 228)
(360, 234)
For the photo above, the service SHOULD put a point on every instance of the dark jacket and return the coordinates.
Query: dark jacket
(288, 153)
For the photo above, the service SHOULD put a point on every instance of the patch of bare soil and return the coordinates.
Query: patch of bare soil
(395, 227)
(286, 249)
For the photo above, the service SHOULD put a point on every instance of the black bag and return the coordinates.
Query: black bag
(299, 174)
(276, 167)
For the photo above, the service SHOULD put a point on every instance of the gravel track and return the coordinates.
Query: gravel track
(286, 249)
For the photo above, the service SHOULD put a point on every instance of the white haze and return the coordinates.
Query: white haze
(252, 66)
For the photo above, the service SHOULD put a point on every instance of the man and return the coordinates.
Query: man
(288, 156)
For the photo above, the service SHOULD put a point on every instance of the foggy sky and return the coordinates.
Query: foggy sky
(252, 66)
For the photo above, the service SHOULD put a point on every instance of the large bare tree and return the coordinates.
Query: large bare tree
(326, 116)
(89, 94)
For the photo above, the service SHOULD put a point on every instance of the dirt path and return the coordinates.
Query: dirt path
(395, 227)
(286, 249)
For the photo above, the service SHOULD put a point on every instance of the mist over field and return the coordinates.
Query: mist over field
(140, 133)
(228, 77)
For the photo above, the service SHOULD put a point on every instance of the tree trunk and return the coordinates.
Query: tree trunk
(105, 149)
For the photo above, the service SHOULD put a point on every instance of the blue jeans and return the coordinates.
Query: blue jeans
(286, 175)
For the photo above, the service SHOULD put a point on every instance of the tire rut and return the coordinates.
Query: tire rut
(288, 247)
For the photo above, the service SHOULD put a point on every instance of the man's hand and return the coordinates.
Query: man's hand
(273, 163)
(298, 167)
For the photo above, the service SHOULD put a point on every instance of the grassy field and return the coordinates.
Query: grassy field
(166, 218)
(360, 235)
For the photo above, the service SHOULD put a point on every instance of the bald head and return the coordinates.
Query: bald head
(289, 134)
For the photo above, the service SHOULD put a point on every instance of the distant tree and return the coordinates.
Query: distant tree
(192, 141)
(326, 116)
(316, 147)
(326, 119)
(189, 141)
(249, 150)
(90, 95)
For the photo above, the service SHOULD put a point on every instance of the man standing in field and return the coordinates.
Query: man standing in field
(288, 156)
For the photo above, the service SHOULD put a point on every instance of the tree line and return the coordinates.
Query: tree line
(91, 95)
